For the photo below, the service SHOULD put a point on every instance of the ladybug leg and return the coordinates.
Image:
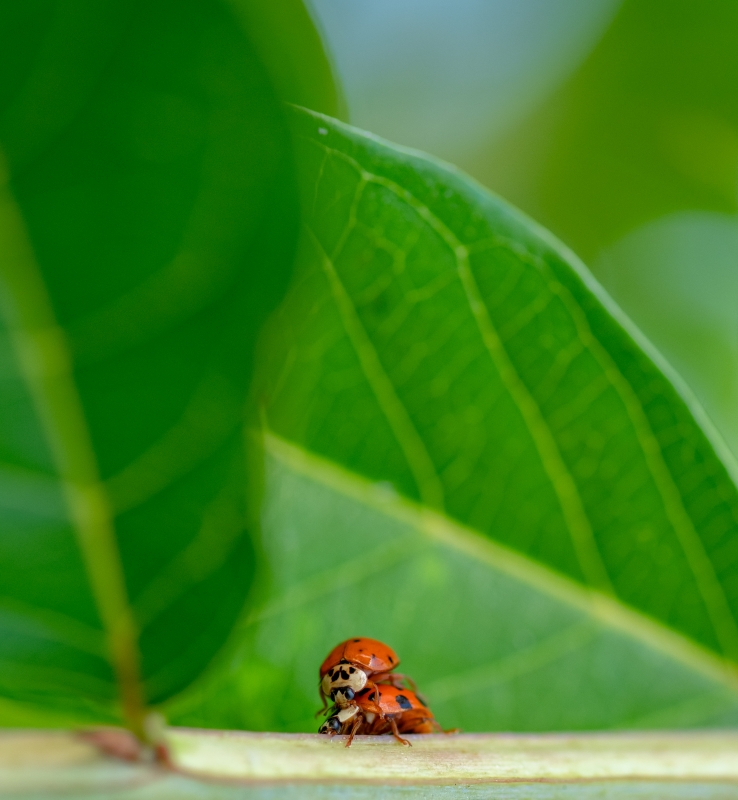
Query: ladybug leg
(396, 733)
(354, 729)
(439, 729)
(376, 698)
(401, 681)
(374, 707)
(325, 704)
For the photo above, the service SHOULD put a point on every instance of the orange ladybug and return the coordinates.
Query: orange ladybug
(349, 666)
(381, 710)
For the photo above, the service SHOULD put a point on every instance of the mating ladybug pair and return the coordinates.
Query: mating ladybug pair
(369, 697)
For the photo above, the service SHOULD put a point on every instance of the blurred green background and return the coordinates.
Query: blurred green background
(151, 192)
(614, 123)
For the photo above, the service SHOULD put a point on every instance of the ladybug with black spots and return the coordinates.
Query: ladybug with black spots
(354, 665)
(382, 710)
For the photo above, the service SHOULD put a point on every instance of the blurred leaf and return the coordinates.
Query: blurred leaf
(678, 278)
(646, 127)
(293, 53)
(450, 78)
(148, 216)
(472, 458)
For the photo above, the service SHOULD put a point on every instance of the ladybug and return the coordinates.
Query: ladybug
(381, 710)
(349, 666)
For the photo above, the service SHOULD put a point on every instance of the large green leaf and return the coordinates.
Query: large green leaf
(148, 216)
(472, 457)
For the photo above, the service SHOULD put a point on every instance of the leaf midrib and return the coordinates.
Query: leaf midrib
(605, 609)
(721, 617)
(44, 357)
(575, 517)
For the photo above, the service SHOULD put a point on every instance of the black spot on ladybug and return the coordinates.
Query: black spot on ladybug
(334, 677)
(403, 702)
(352, 670)
(357, 640)
(373, 656)
(390, 659)
(344, 674)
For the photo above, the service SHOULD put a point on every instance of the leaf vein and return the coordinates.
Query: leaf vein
(610, 611)
(553, 463)
(718, 608)
(413, 447)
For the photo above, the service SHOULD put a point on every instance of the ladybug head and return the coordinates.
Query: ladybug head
(331, 726)
(342, 682)
(335, 722)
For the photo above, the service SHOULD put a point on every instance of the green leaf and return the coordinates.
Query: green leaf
(148, 216)
(474, 457)
(293, 53)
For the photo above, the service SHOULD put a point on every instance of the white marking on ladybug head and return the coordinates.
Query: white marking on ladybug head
(345, 714)
(343, 695)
